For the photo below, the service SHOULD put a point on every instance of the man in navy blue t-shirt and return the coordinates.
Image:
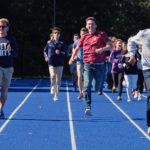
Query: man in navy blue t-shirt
(8, 50)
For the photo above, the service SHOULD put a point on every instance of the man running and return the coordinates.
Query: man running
(8, 50)
(94, 44)
(142, 38)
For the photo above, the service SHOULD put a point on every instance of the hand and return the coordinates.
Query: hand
(8, 48)
(46, 59)
(75, 58)
(99, 51)
(70, 61)
(57, 51)
(132, 60)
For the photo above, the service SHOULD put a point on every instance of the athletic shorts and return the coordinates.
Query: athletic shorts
(6, 75)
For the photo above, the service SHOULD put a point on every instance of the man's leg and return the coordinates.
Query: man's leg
(52, 71)
(59, 72)
(109, 76)
(3, 96)
(5, 80)
(88, 76)
(73, 72)
(99, 75)
(80, 74)
(146, 74)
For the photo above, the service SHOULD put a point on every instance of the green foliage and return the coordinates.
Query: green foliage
(31, 21)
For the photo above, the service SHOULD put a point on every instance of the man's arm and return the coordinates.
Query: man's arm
(75, 51)
(106, 48)
(132, 46)
(45, 53)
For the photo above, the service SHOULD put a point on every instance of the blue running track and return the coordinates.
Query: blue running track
(33, 121)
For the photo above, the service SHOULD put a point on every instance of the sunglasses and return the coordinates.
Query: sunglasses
(3, 27)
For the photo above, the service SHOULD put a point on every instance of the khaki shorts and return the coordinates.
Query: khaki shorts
(6, 75)
(79, 69)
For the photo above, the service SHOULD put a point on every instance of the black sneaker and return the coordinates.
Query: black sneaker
(2, 115)
(88, 111)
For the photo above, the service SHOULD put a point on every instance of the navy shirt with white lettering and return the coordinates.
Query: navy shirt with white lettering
(53, 58)
(6, 57)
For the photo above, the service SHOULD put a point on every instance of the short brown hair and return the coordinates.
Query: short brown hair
(76, 34)
(90, 18)
(5, 20)
(84, 29)
(56, 28)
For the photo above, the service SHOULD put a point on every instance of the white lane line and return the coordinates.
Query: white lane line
(21, 104)
(126, 115)
(73, 141)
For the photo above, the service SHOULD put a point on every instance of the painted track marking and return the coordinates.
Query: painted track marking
(127, 116)
(73, 141)
(20, 105)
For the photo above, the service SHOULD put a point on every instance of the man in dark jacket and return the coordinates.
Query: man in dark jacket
(8, 50)
(54, 53)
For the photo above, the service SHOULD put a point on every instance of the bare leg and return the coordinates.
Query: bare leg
(3, 96)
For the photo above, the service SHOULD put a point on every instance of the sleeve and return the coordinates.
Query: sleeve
(45, 51)
(133, 42)
(112, 58)
(14, 46)
(105, 37)
(80, 43)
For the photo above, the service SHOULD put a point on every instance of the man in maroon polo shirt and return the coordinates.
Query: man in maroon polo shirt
(95, 44)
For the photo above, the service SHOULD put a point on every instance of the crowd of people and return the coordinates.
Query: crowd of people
(93, 58)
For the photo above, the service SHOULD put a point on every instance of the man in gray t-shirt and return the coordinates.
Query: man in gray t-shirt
(142, 38)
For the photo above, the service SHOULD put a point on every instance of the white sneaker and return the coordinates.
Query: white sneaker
(52, 89)
(88, 111)
(55, 98)
(136, 94)
(139, 97)
(129, 100)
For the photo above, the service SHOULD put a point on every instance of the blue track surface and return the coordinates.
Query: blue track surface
(35, 122)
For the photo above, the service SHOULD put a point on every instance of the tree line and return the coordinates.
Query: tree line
(31, 23)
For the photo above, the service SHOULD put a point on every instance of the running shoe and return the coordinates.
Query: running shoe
(55, 98)
(80, 96)
(139, 97)
(148, 131)
(113, 89)
(2, 115)
(88, 111)
(135, 94)
(119, 98)
(129, 100)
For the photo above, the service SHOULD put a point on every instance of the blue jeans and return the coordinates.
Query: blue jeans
(109, 75)
(96, 72)
(146, 74)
